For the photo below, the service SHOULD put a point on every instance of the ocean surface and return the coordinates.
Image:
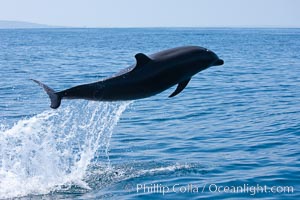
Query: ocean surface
(233, 133)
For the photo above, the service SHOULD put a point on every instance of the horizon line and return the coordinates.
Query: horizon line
(49, 26)
(158, 27)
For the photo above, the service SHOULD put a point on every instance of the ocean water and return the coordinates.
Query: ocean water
(233, 133)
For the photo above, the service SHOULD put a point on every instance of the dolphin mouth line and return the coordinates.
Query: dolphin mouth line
(219, 62)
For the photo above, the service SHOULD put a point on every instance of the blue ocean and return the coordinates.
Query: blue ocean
(233, 133)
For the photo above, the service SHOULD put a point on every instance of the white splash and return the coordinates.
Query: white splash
(54, 148)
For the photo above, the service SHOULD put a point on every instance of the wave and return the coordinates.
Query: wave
(53, 150)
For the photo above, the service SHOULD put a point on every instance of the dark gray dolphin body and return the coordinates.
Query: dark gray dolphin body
(149, 76)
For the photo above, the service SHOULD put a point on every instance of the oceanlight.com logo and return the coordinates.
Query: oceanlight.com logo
(211, 188)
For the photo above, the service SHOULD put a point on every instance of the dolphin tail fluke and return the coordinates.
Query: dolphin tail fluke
(54, 97)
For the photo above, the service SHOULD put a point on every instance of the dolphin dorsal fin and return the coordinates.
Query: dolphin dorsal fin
(180, 87)
(141, 59)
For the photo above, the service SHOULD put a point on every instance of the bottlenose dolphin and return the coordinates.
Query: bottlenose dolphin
(149, 76)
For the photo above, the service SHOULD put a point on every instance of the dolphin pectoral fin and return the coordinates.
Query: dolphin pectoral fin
(141, 59)
(180, 87)
(55, 98)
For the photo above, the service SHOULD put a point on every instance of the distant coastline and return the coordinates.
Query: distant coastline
(5, 24)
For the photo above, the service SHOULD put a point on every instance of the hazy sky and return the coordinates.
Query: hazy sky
(157, 13)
